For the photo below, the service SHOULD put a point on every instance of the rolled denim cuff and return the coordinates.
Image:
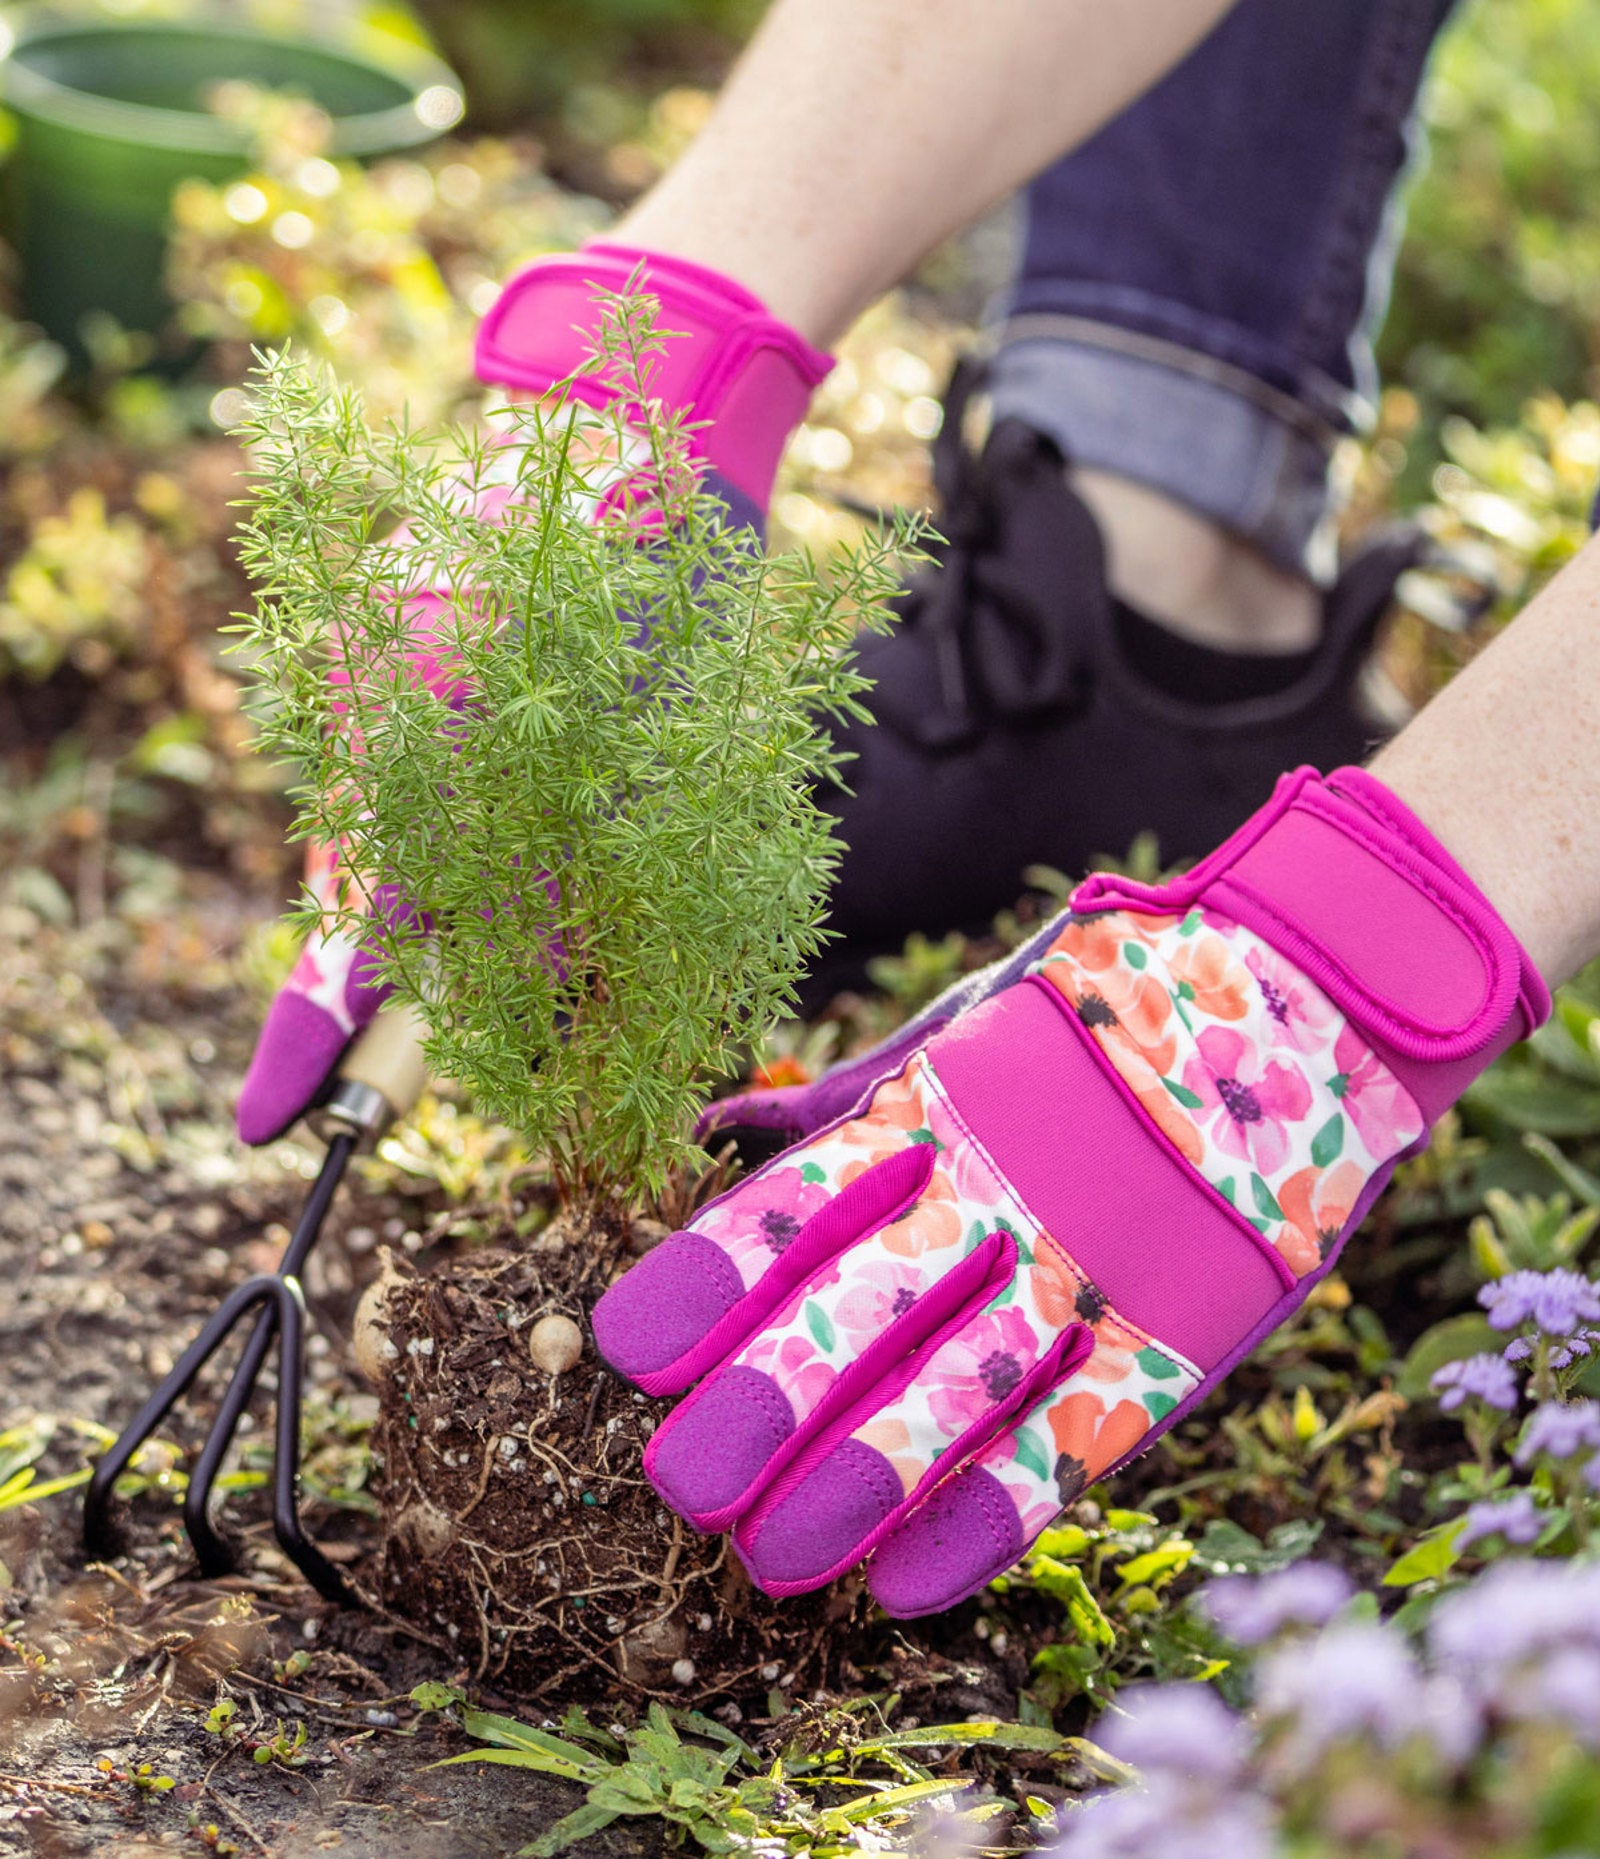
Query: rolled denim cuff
(1209, 435)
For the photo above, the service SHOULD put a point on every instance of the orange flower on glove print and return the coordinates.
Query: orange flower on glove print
(1089, 1437)
(1113, 991)
(930, 1226)
(1208, 974)
(884, 1127)
(1318, 1204)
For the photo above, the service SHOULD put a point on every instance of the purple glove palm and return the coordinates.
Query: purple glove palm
(744, 378)
(1032, 1240)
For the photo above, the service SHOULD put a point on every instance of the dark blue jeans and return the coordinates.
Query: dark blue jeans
(1201, 281)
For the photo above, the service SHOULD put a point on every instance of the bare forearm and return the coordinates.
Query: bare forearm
(855, 134)
(1504, 765)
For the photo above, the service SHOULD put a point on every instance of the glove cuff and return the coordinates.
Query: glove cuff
(1347, 883)
(743, 376)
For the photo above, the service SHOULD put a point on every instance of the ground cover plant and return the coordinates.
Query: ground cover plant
(1345, 1610)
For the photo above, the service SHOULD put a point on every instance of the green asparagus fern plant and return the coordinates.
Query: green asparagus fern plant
(609, 836)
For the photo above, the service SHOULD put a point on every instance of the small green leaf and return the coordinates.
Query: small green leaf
(1190, 923)
(1328, 1143)
(1339, 1083)
(1030, 1454)
(1190, 1100)
(1266, 1202)
(1430, 1556)
(923, 1136)
(1156, 1365)
(820, 1326)
(1158, 1406)
(1134, 955)
(1228, 1189)
(813, 1177)
(1168, 1559)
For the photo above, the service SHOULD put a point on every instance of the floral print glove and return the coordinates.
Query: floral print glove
(1033, 1241)
(746, 379)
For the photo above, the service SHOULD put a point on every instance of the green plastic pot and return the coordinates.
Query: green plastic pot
(111, 116)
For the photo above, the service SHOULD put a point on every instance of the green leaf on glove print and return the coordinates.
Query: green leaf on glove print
(1030, 1454)
(1229, 1192)
(1266, 1202)
(1339, 1083)
(1328, 1142)
(818, 1324)
(811, 1175)
(1190, 923)
(1133, 955)
(1189, 1099)
(1158, 1406)
(1156, 1365)
(923, 1136)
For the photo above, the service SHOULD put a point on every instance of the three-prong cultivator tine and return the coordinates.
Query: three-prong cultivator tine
(380, 1079)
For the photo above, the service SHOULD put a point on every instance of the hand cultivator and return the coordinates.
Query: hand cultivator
(378, 1081)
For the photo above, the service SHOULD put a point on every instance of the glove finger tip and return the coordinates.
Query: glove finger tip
(713, 1450)
(966, 1533)
(821, 1525)
(299, 1045)
(660, 1309)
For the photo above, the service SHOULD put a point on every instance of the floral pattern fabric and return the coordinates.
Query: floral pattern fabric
(1073, 1434)
(1244, 1064)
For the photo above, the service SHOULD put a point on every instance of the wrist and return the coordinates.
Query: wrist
(743, 377)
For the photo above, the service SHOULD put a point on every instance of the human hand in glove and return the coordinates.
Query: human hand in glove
(743, 380)
(1028, 1235)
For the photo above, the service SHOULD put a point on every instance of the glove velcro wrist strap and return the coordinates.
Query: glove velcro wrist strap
(1346, 883)
(726, 361)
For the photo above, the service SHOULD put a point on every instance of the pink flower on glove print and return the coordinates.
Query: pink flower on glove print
(1248, 1103)
(1378, 1104)
(1300, 1015)
(786, 1201)
(878, 1294)
(793, 1363)
(979, 1368)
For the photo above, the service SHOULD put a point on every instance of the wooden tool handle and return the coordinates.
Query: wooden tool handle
(388, 1059)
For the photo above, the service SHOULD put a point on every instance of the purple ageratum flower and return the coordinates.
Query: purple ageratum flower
(1517, 1518)
(1352, 1680)
(1359, 1679)
(1574, 1349)
(1178, 1730)
(1559, 1302)
(1559, 1430)
(1483, 1378)
(1169, 1819)
(1251, 1609)
(1517, 1613)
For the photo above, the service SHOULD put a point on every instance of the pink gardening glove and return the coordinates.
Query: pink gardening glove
(744, 378)
(1035, 1240)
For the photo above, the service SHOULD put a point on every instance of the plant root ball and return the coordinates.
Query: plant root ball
(555, 1344)
(519, 1526)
